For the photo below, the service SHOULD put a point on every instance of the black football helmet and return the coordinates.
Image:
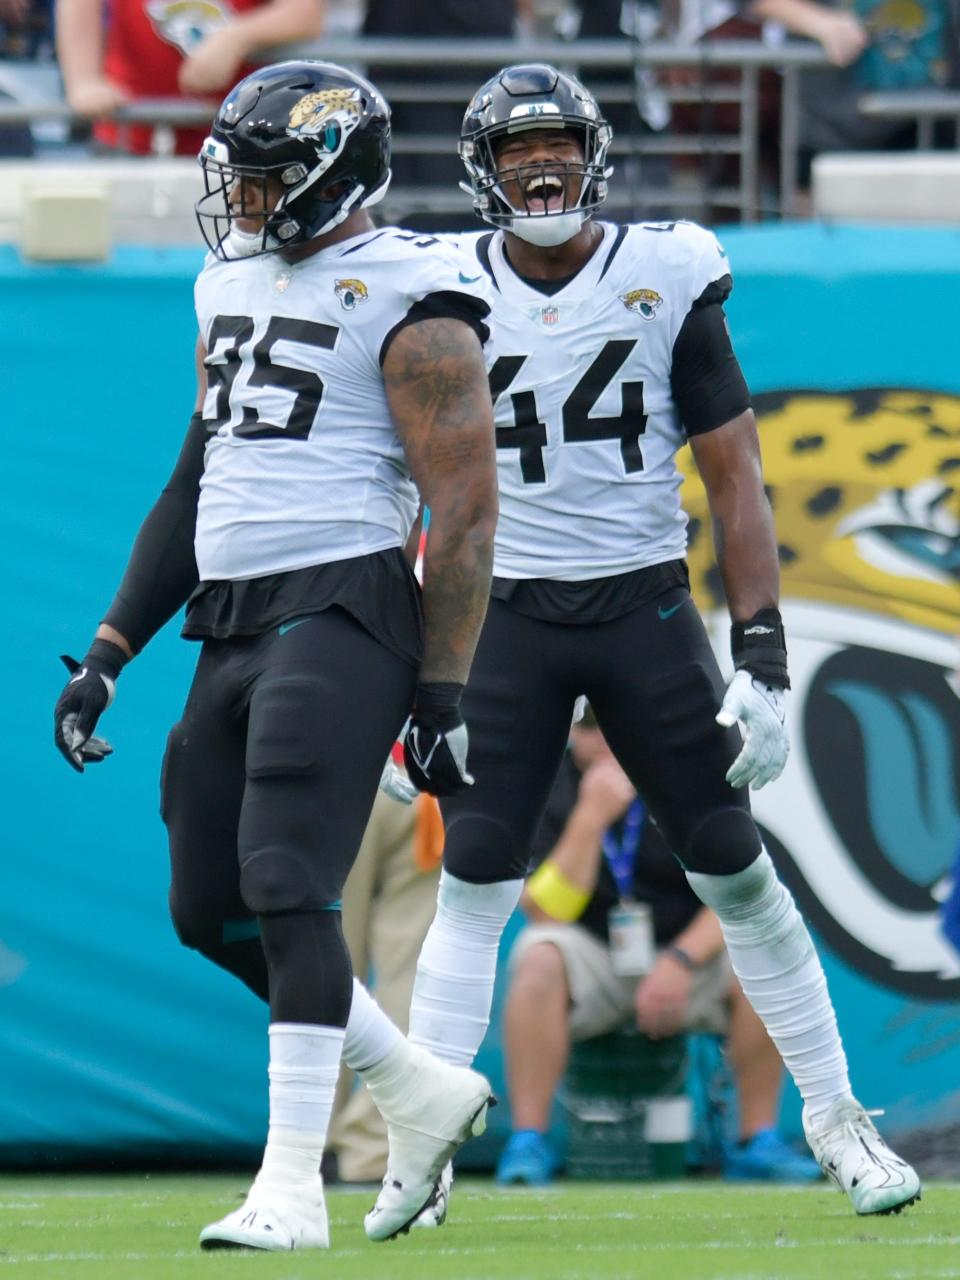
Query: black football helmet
(532, 96)
(320, 130)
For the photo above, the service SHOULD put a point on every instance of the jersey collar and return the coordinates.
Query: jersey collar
(587, 278)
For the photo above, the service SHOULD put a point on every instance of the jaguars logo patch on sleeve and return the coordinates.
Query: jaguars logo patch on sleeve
(351, 293)
(642, 302)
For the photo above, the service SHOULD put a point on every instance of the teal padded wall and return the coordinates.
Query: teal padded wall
(114, 1041)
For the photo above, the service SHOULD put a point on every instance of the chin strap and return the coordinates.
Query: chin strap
(548, 231)
(244, 244)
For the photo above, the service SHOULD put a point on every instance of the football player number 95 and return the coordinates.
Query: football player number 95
(307, 387)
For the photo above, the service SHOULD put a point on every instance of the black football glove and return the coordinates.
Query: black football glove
(435, 742)
(87, 694)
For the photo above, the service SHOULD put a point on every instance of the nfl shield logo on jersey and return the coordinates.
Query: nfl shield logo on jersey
(549, 315)
(642, 302)
(351, 293)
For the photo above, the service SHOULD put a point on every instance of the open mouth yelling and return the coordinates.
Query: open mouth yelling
(544, 193)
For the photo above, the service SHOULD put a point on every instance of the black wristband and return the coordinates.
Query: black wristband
(437, 703)
(107, 657)
(760, 647)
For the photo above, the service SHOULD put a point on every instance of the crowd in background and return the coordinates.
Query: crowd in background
(112, 52)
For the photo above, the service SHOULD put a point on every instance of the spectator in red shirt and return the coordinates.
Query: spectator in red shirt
(115, 52)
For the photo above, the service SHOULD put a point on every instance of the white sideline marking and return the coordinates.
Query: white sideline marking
(14, 1259)
(90, 1256)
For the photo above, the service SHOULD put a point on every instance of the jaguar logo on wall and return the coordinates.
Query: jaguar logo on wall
(865, 821)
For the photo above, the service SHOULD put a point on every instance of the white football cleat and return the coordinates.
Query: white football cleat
(273, 1218)
(854, 1156)
(435, 1212)
(446, 1106)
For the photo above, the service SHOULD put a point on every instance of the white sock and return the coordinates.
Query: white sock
(304, 1066)
(370, 1033)
(453, 992)
(396, 1077)
(773, 956)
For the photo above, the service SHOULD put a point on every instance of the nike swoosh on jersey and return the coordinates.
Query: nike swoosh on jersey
(663, 613)
(284, 627)
(468, 279)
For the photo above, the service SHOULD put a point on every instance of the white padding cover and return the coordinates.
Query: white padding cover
(917, 186)
(149, 201)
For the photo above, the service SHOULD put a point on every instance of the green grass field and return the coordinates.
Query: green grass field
(145, 1227)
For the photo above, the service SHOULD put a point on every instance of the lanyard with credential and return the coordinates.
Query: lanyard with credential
(621, 854)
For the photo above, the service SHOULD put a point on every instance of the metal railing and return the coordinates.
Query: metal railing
(635, 67)
(924, 106)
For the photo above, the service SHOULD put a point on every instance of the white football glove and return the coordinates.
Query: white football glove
(760, 710)
(395, 783)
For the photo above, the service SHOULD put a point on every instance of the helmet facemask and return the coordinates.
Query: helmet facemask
(236, 193)
(310, 177)
(531, 217)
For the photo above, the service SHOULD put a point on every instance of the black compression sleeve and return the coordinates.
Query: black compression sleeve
(706, 379)
(162, 569)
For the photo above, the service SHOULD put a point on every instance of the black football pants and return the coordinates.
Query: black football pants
(653, 682)
(267, 786)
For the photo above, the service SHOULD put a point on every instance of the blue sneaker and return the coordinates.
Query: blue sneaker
(526, 1160)
(767, 1158)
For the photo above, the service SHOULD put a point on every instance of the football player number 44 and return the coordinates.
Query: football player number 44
(529, 434)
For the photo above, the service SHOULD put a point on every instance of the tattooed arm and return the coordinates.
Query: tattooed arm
(439, 399)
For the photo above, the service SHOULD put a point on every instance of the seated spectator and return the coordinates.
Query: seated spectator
(116, 52)
(874, 46)
(568, 981)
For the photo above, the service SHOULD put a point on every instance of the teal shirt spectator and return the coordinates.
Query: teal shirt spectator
(912, 46)
(907, 46)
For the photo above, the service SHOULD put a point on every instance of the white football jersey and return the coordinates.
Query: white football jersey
(587, 429)
(304, 465)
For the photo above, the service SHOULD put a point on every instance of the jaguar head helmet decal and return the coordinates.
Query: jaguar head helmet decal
(328, 116)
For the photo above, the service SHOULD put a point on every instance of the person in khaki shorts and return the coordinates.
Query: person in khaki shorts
(388, 902)
(593, 855)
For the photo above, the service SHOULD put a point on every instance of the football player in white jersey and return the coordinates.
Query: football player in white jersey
(341, 371)
(611, 352)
